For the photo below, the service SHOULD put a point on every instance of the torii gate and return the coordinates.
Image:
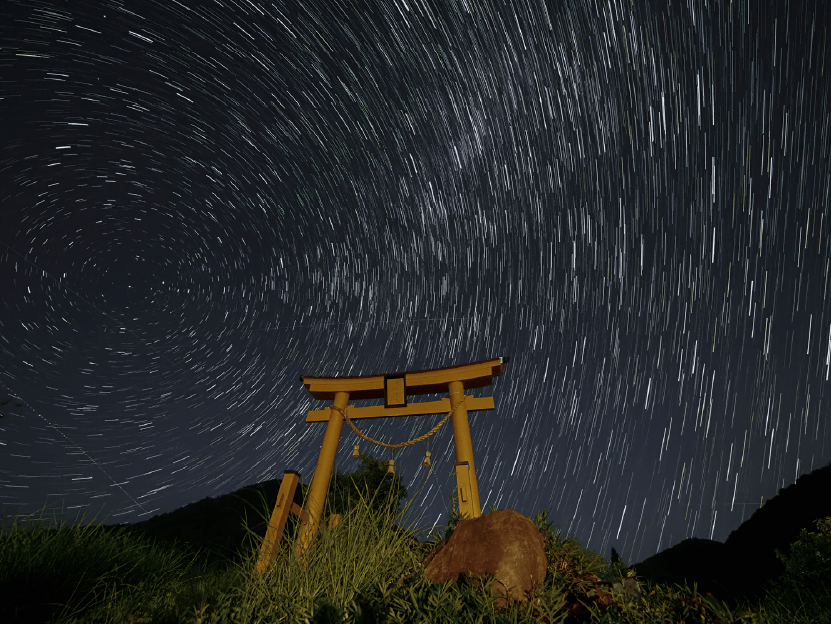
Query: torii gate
(393, 388)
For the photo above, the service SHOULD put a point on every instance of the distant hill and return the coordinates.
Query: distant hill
(742, 565)
(214, 527)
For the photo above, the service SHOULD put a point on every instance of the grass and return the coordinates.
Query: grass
(365, 570)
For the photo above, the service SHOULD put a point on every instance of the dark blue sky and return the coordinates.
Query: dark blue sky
(201, 202)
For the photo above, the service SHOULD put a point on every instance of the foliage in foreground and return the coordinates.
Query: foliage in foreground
(366, 570)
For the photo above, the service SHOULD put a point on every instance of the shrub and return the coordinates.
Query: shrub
(808, 566)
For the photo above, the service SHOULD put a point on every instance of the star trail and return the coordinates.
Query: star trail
(202, 201)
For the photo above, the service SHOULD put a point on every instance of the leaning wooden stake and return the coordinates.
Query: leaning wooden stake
(285, 505)
(277, 524)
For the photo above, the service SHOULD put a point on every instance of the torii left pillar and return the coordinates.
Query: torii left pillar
(322, 475)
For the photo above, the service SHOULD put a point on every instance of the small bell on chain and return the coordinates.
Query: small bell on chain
(391, 467)
(355, 452)
(427, 459)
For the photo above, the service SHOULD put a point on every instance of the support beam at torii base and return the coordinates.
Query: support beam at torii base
(393, 388)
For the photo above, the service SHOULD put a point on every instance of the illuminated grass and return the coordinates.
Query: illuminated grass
(365, 570)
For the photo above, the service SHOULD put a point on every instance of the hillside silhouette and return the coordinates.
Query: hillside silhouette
(214, 528)
(739, 568)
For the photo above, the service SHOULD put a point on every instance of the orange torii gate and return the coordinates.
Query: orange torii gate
(393, 388)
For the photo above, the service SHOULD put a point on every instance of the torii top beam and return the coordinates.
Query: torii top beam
(475, 375)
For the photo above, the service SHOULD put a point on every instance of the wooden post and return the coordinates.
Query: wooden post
(320, 480)
(285, 505)
(463, 445)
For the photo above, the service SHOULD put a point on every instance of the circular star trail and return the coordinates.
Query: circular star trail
(203, 201)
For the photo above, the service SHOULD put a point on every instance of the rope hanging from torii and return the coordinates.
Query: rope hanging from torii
(409, 443)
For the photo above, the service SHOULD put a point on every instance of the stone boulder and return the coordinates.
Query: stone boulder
(503, 543)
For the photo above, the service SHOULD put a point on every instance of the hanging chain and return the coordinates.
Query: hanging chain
(411, 442)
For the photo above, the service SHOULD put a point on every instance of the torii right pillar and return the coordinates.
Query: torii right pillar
(465, 467)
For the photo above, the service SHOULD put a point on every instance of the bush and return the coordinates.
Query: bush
(808, 567)
(346, 490)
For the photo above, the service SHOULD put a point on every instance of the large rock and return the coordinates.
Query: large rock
(503, 543)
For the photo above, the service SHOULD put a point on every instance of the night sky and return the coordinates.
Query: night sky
(202, 201)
